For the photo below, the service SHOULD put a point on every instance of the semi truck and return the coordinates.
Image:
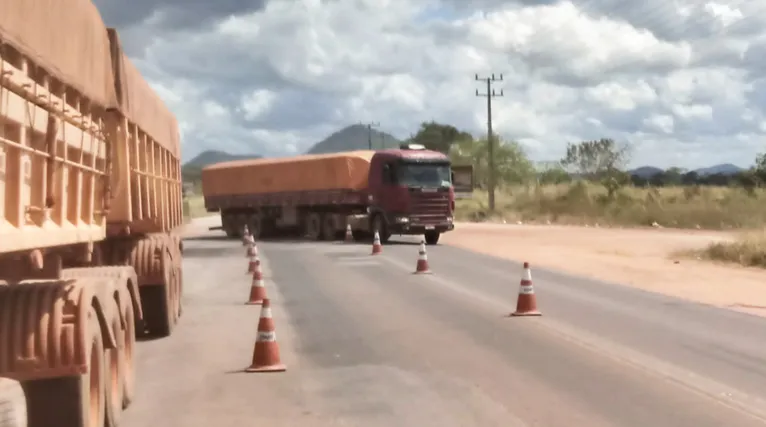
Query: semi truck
(90, 201)
(396, 191)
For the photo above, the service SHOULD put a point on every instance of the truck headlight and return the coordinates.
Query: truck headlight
(449, 219)
(402, 220)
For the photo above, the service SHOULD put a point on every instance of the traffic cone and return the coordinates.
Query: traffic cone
(252, 250)
(257, 288)
(254, 262)
(376, 247)
(526, 304)
(245, 236)
(266, 351)
(349, 235)
(422, 265)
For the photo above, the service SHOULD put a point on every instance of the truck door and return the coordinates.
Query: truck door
(387, 194)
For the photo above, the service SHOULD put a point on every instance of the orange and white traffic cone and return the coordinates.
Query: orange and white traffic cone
(257, 288)
(377, 248)
(253, 263)
(252, 250)
(422, 265)
(526, 304)
(266, 351)
(245, 236)
(349, 234)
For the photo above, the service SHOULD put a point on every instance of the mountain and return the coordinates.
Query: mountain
(645, 171)
(723, 169)
(191, 171)
(214, 156)
(354, 137)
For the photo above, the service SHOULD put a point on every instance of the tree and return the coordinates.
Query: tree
(595, 159)
(437, 136)
(511, 162)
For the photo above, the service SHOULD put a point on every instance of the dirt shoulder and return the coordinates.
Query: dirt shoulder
(633, 257)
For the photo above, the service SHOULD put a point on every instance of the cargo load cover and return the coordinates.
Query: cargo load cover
(337, 171)
(139, 103)
(67, 38)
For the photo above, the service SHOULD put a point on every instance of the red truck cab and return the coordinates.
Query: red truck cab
(410, 192)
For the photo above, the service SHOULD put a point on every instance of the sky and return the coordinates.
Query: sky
(682, 81)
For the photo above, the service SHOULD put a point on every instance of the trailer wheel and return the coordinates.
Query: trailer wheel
(158, 302)
(72, 401)
(115, 371)
(129, 389)
(313, 226)
(330, 229)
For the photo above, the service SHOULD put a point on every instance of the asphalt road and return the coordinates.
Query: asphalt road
(367, 343)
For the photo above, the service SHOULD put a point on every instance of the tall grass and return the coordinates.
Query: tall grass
(585, 203)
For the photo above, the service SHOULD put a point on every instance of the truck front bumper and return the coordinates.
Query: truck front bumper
(405, 228)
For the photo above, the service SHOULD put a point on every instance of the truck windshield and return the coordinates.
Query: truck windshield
(424, 175)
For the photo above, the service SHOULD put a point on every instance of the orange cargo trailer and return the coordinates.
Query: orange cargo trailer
(89, 199)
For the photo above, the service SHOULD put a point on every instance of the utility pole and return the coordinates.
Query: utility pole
(490, 138)
(371, 125)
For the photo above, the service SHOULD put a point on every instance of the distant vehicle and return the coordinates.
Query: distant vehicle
(405, 191)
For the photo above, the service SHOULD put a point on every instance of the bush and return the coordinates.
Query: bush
(587, 203)
(749, 250)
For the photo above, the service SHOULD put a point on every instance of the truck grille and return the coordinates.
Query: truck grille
(429, 207)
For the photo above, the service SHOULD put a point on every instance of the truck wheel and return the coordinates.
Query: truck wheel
(72, 401)
(157, 310)
(313, 226)
(360, 235)
(115, 372)
(129, 389)
(432, 237)
(380, 225)
(329, 229)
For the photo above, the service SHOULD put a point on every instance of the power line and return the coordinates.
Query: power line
(490, 140)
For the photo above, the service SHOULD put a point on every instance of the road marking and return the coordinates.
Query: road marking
(728, 396)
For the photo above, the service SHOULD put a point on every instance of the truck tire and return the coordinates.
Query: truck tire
(158, 302)
(330, 230)
(313, 226)
(432, 237)
(360, 236)
(72, 401)
(129, 380)
(115, 371)
(13, 404)
(380, 225)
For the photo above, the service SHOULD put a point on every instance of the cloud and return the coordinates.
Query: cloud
(680, 80)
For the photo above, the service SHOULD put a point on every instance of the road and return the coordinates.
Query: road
(367, 343)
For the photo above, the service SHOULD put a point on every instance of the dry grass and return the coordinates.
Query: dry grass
(583, 203)
(194, 207)
(749, 250)
(717, 208)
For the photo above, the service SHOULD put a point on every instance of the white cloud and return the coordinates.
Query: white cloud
(677, 79)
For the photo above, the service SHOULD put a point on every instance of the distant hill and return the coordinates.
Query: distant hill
(645, 171)
(724, 169)
(191, 171)
(354, 137)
